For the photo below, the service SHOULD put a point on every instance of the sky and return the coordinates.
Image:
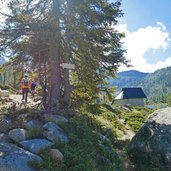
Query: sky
(147, 24)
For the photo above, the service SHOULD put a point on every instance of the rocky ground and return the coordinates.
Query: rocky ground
(15, 102)
(24, 136)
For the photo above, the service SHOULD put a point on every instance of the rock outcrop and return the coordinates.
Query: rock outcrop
(23, 137)
(5, 125)
(4, 138)
(56, 154)
(14, 158)
(17, 134)
(152, 143)
(36, 145)
(54, 133)
(33, 124)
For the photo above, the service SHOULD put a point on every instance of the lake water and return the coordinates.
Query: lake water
(156, 106)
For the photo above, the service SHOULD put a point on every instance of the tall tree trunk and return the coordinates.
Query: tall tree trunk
(55, 81)
(44, 89)
(5, 77)
(66, 87)
(55, 56)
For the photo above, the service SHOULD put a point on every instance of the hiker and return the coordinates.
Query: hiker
(32, 88)
(25, 87)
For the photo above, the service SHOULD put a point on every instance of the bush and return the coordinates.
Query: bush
(86, 149)
(8, 87)
(94, 109)
(169, 99)
(34, 132)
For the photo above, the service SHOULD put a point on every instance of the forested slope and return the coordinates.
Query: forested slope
(156, 85)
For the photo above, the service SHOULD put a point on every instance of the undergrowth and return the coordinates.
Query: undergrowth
(93, 139)
(88, 148)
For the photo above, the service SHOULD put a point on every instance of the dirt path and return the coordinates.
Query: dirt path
(128, 133)
(17, 101)
(18, 98)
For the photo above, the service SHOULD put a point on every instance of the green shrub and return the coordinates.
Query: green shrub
(86, 150)
(8, 87)
(95, 109)
(34, 132)
(169, 99)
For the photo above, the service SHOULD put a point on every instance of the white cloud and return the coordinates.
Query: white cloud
(161, 25)
(139, 42)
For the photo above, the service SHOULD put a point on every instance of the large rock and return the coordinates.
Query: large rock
(56, 154)
(54, 133)
(17, 134)
(33, 124)
(36, 145)
(152, 143)
(29, 116)
(4, 93)
(5, 125)
(13, 158)
(4, 138)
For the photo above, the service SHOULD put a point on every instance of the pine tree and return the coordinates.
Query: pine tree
(78, 32)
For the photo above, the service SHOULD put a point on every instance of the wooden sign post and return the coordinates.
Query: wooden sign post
(67, 87)
(67, 66)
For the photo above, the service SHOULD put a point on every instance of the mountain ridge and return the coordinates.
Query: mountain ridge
(156, 85)
(129, 78)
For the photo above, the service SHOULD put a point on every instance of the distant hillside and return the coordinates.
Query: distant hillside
(130, 78)
(156, 85)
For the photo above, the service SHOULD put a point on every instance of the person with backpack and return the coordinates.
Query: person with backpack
(25, 85)
(32, 87)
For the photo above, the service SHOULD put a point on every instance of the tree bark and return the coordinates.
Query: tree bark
(44, 89)
(66, 87)
(55, 55)
(55, 81)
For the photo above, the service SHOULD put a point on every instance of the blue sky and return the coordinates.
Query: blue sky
(147, 24)
(141, 13)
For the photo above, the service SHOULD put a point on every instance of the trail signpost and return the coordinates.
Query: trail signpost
(67, 86)
(67, 66)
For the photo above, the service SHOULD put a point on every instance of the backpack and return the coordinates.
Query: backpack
(33, 86)
(26, 83)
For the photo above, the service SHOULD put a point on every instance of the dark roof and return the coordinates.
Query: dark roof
(133, 93)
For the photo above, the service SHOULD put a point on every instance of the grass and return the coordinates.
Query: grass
(135, 117)
(87, 149)
(34, 132)
(93, 139)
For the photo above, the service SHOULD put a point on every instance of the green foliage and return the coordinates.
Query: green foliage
(93, 138)
(169, 99)
(135, 117)
(34, 132)
(8, 87)
(86, 149)
(68, 31)
(23, 110)
(50, 164)
(94, 109)
(130, 78)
